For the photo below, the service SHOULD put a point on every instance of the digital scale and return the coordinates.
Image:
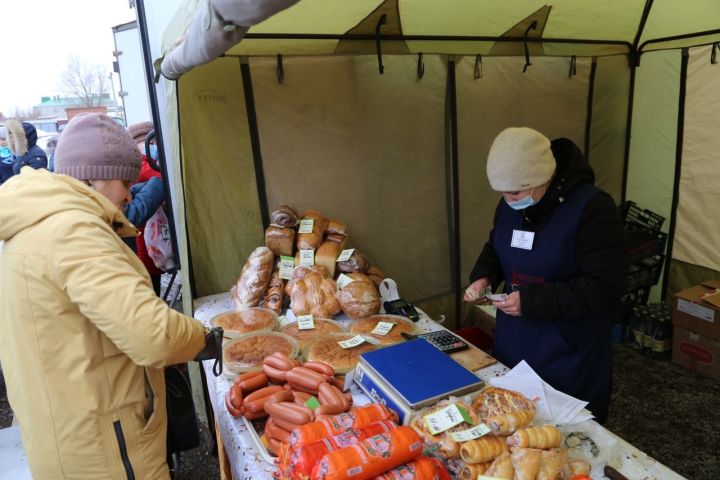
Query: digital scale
(413, 375)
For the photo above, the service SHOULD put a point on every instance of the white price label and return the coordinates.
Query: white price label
(470, 433)
(444, 419)
(343, 280)
(305, 322)
(485, 477)
(306, 225)
(345, 255)
(383, 328)
(307, 258)
(287, 265)
(353, 342)
(282, 320)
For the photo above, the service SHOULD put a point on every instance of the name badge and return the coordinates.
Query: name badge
(522, 239)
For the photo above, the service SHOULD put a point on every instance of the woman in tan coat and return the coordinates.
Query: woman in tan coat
(83, 337)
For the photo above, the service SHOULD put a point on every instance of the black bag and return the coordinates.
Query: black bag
(182, 432)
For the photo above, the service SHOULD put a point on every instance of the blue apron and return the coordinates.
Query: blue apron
(573, 354)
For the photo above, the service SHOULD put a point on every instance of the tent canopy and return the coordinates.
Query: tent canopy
(400, 156)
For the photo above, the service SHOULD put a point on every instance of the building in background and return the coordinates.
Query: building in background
(130, 69)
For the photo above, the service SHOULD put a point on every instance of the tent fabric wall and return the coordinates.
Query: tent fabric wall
(221, 200)
(697, 232)
(611, 88)
(651, 169)
(544, 98)
(338, 137)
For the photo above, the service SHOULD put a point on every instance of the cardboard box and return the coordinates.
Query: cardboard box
(485, 318)
(697, 309)
(696, 352)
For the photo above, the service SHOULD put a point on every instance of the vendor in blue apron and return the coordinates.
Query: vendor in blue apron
(558, 245)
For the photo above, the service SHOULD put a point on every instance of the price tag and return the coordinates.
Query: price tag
(485, 477)
(345, 255)
(343, 280)
(287, 265)
(282, 320)
(307, 258)
(444, 419)
(383, 328)
(305, 322)
(470, 433)
(306, 225)
(312, 403)
(353, 342)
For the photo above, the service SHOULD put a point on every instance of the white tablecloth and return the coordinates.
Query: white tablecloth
(248, 462)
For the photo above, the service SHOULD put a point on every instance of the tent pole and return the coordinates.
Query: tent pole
(589, 112)
(678, 169)
(685, 36)
(155, 111)
(452, 130)
(255, 141)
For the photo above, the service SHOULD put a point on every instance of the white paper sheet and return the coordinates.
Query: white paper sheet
(552, 406)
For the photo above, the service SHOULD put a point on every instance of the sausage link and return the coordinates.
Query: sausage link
(234, 412)
(254, 383)
(275, 374)
(274, 446)
(301, 397)
(273, 431)
(281, 396)
(331, 395)
(247, 376)
(300, 388)
(255, 416)
(320, 367)
(290, 412)
(289, 426)
(338, 382)
(263, 392)
(330, 409)
(279, 361)
(306, 378)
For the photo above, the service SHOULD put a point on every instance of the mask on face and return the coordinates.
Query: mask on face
(5, 152)
(153, 152)
(523, 203)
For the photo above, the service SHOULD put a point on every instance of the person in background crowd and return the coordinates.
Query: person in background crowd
(83, 338)
(50, 151)
(22, 140)
(6, 162)
(559, 246)
(138, 132)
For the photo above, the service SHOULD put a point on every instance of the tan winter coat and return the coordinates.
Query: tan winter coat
(83, 338)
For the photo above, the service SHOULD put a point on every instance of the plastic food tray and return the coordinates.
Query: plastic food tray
(269, 316)
(233, 368)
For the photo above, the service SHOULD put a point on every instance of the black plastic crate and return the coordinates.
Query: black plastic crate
(644, 274)
(634, 216)
(643, 244)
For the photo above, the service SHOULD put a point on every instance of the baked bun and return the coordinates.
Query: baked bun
(359, 299)
(314, 295)
(504, 411)
(284, 216)
(356, 263)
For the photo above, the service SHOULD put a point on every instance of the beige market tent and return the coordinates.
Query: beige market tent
(381, 113)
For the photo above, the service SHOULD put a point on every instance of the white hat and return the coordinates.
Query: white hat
(520, 158)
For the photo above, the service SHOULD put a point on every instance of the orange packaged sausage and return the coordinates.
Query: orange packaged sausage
(298, 463)
(327, 427)
(422, 468)
(370, 457)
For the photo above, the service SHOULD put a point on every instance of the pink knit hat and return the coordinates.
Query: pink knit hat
(139, 130)
(94, 147)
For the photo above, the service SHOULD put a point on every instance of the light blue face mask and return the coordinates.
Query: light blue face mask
(153, 151)
(523, 203)
(5, 152)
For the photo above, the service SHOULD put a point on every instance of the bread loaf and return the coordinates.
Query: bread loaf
(313, 240)
(359, 277)
(336, 237)
(544, 437)
(280, 240)
(376, 275)
(356, 263)
(359, 299)
(336, 227)
(254, 279)
(314, 295)
(327, 255)
(284, 216)
(274, 296)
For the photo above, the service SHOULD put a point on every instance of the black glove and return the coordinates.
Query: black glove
(213, 349)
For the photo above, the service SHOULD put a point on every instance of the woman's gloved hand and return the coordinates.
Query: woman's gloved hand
(213, 349)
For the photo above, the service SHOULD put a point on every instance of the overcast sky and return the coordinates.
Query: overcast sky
(38, 37)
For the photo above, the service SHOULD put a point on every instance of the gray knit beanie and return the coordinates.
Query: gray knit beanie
(95, 147)
(520, 158)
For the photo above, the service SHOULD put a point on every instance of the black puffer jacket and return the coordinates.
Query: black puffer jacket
(600, 247)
